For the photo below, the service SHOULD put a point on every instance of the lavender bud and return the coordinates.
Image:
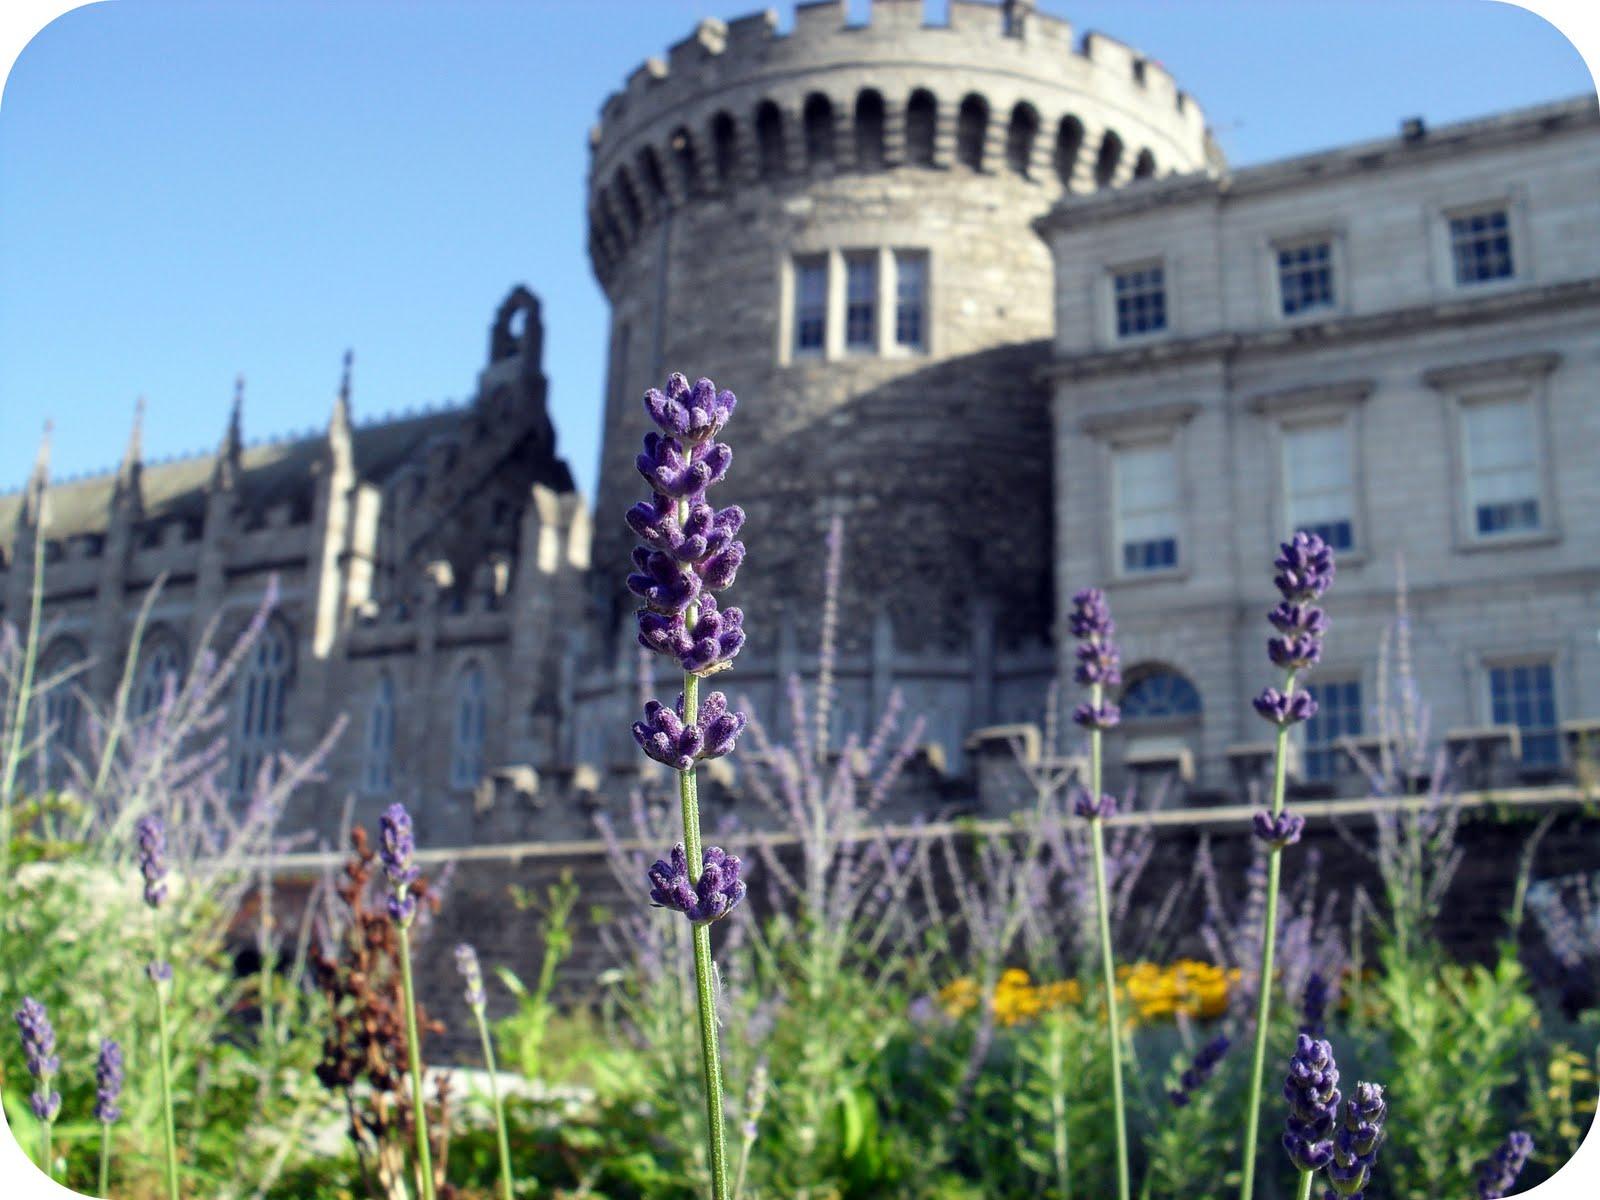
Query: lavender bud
(1280, 831)
(1298, 618)
(39, 1049)
(1205, 1062)
(1295, 652)
(108, 1082)
(471, 975)
(1305, 568)
(397, 846)
(158, 972)
(707, 899)
(661, 582)
(1098, 662)
(1498, 1174)
(1090, 809)
(150, 834)
(672, 470)
(1312, 1090)
(664, 736)
(1104, 715)
(1091, 615)
(1281, 709)
(694, 413)
(1314, 1005)
(1355, 1145)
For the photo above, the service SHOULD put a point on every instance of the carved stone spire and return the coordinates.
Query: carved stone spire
(225, 473)
(30, 515)
(132, 466)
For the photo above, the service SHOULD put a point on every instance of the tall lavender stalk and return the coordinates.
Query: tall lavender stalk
(472, 976)
(151, 835)
(689, 552)
(39, 1048)
(1304, 571)
(1099, 667)
(397, 848)
(108, 1089)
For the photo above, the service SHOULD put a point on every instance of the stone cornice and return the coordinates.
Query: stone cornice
(1519, 366)
(1345, 394)
(1125, 420)
(1396, 323)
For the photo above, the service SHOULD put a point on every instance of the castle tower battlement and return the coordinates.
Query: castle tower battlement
(739, 104)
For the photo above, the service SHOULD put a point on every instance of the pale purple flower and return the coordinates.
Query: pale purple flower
(397, 846)
(1087, 807)
(108, 1082)
(1099, 661)
(1498, 1174)
(39, 1050)
(150, 834)
(708, 898)
(471, 975)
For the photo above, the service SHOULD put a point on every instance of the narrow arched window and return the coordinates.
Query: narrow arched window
(769, 140)
(819, 129)
(1105, 163)
(655, 184)
(1145, 165)
(972, 127)
(724, 146)
(622, 185)
(1069, 143)
(869, 130)
(59, 705)
(1020, 136)
(263, 689)
(922, 116)
(377, 762)
(683, 157)
(161, 668)
(466, 750)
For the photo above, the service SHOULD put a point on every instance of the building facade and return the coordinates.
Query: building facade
(994, 303)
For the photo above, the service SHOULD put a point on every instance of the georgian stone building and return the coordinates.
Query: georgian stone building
(989, 295)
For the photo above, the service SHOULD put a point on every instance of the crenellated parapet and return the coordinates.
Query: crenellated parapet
(997, 89)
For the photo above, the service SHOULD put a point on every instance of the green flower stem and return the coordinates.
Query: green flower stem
(1108, 964)
(1303, 1192)
(705, 987)
(1269, 937)
(419, 1111)
(494, 1097)
(44, 1147)
(105, 1160)
(165, 1048)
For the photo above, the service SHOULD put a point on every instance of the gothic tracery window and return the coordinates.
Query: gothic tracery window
(263, 690)
(466, 751)
(377, 764)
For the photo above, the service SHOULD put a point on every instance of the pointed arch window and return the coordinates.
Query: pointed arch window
(163, 660)
(471, 707)
(377, 763)
(263, 689)
(61, 708)
(1069, 143)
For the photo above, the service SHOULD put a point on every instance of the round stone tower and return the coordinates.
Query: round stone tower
(835, 223)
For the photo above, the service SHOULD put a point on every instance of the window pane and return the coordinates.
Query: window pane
(1481, 246)
(861, 301)
(1502, 465)
(1524, 695)
(1141, 301)
(1147, 507)
(810, 305)
(911, 286)
(1319, 491)
(1305, 277)
(1338, 715)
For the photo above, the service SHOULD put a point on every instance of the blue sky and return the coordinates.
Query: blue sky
(193, 190)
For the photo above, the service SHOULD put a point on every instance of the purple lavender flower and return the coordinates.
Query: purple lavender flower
(1355, 1145)
(39, 1049)
(1194, 1078)
(1305, 568)
(664, 736)
(150, 834)
(674, 470)
(1281, 709)
(1498, 1174)
(1312, 1090)
(397, 846)
(1104, 715)
(158, 972)
(1314, 1005)
(108, 1082)
(1091, 616)
(1294, 653)
(692, 413)
(1278, 831)
(707, 899)
(1087, 807)
(471, 975)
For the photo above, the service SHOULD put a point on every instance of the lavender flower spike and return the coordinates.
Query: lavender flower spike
(471, 975)
(397, 846)
(710, 898)
(1312, 1090)
(1278, 831)
(692, 413)
(1104, 715)
(1305, 567)
(150, 834)
(1498, 1175)
(1314, 1005)
(1090, 809)
(1355, 1145)
(39, 1049)
(664, 736)
(1194, 1078)
(108, 1082)
(1282, 709)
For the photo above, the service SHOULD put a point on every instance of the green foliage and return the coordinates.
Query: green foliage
(521, 1037)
